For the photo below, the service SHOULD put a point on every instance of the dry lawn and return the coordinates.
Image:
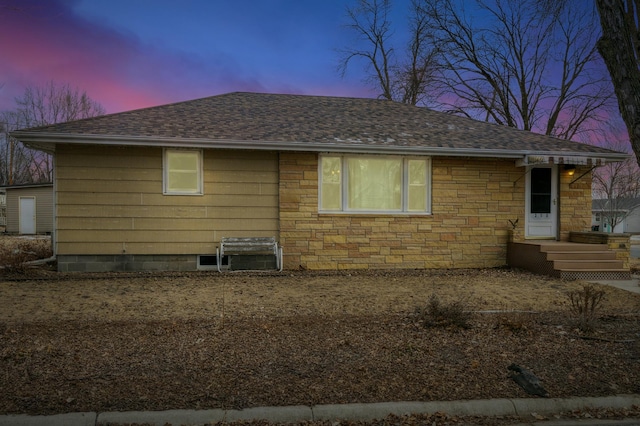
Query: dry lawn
(216, 297)
(105, 342)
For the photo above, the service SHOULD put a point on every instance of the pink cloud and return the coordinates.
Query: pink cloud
(42, 41)
(48, 42)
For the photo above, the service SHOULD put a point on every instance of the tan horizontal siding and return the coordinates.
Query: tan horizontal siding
(160, 224)
(136, 248)
(110, 201)
(110, 157)
(99, 185)
(112, 172)
(70, 217)
(109, 211)
(243, 213)
(222, 201)
(241, 176)
(247, 188)
(134, 236)
(68, 198)
(258, 197)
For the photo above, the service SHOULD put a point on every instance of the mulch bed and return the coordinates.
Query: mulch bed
(69, 366)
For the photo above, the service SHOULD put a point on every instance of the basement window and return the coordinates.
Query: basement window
(210, 262)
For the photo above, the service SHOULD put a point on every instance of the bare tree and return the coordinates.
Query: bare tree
(39, 106)
(369, 21)
(15, 158)
(616, 188)
(523, 66)
(55, 103)
(529, 64)
(406, 79)
(415, 76)
(620, 48)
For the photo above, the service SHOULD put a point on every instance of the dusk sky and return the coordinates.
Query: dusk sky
(131, 54)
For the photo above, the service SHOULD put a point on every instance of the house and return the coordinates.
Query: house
(625, 212)
(29, 208)
(342, 183)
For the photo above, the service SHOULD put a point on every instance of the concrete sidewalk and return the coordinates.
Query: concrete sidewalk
(629, 285)
(524, 407)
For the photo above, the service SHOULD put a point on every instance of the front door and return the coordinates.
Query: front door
(27, 215)
(542, 202)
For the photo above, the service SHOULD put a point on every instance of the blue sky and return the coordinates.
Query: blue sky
(135, 53)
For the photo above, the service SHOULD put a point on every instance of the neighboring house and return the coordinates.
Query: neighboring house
(29, 209)
(624, 212)
(342, 183)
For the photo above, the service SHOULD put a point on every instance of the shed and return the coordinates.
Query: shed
(29, 208)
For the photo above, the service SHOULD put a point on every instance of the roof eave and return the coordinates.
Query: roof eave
(47, 141)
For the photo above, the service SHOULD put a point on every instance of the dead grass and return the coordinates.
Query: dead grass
(114, 297)
(105, 342)
(16, 251)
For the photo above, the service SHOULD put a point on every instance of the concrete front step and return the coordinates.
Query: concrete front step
(581, 255)
(604, 265)
(567, 260)
(575, 247)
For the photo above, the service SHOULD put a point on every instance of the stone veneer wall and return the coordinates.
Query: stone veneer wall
(472, 203)
(575, 201)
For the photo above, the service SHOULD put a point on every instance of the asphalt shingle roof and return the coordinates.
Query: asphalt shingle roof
(316, 122)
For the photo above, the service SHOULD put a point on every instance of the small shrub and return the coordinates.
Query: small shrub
(585, 305)
(516, 322)
(438, 314)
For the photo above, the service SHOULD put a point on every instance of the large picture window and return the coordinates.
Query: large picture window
(367, 184)
(182, 172)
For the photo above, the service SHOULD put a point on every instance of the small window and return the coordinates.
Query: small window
(368, 184)
(331, 183)
(182, 172)
(417, 186)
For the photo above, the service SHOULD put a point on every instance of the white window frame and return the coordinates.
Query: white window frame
(165, 172)
(405, 186)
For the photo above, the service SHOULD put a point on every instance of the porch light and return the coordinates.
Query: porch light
(570, 169)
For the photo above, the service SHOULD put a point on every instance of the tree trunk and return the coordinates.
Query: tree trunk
(618, 47)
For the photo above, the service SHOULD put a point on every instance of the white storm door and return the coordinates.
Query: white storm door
(27, 215)
(542, 202)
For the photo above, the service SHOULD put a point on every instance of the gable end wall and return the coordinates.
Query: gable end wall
(112, 214)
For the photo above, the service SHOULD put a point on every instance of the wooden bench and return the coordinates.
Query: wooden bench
(249, 246)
